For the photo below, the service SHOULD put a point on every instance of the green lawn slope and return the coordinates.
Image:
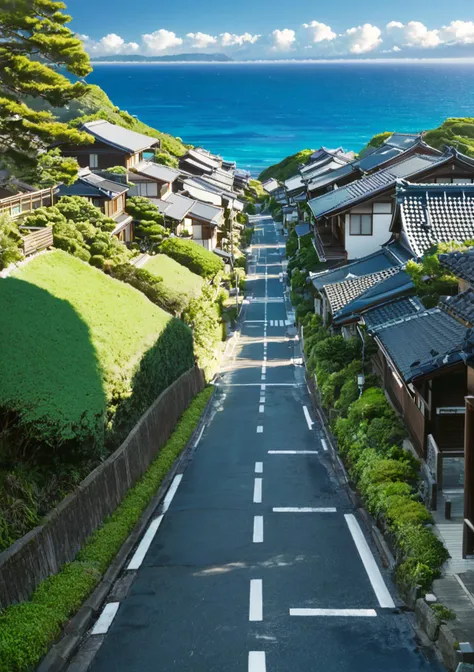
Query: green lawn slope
(176, 278)
(83, 355)
(286, 168)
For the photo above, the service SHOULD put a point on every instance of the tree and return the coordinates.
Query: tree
(34, 43)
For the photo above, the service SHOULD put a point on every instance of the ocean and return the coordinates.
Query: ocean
(258, 113)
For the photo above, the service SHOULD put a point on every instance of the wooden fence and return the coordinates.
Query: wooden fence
(38, 239)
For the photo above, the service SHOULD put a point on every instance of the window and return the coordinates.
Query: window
(147, 188)
(361, 225)
(93, 160)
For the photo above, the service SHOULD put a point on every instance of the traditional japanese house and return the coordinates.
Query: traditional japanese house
(355, 220)
(108, 196)
(421, 364)
(113, 146)
(152, 180)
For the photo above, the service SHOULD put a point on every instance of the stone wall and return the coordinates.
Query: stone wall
(46, 548)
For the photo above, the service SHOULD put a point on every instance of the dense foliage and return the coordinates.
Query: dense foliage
(193, 256)
(454, 132)
(432, 280)
(287, 168)
(370, 437)
(82, 230)
(28, 629)
(150, 230)
(10, 242)
(203, 315)
(35, 44)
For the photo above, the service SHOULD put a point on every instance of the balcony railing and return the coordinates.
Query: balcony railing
(20, 204)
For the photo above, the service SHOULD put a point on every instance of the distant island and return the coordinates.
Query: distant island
(176, 58)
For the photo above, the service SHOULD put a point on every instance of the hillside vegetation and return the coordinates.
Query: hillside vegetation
(286, 168)
(457, 132)
(76, 339)
(177, 278)
(195, 257)
(95, 104)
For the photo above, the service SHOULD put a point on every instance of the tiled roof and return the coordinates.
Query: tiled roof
(341, 293)
(204, 158)
(331, 176)
(295, 183)
(422, 343)
(270, 185)
(403, 140)
(389, 313)
(117, 136)
(461, 264)
(92, 185)
(341, 199)
(208, 213)
(436, 213)
(175, 206)
(386, 257)
(460, 306)
(378, 158)
(157, 171)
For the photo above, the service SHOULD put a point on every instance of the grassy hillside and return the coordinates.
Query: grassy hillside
(73, 347)
(458, 132)
(97, 105)
(286, 168)
(177, 278)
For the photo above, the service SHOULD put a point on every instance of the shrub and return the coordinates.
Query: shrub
(10, 242)
(166, 159)
(442, 612)
(97, 260)
(193, 256)
(152, 286)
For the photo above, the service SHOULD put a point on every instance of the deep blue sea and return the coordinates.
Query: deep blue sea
(258, 113)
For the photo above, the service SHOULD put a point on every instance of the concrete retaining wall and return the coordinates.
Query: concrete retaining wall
(44, 550)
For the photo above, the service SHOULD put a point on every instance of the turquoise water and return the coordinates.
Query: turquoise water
(256, 114)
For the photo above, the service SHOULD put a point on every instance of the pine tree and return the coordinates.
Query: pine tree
(35, 44)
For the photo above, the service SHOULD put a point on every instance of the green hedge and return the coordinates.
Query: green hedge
(370, 437)
(27, 630)
(193, 256)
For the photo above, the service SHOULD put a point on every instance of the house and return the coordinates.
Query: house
(426, 214)
(200, 162)
(113, 146)
(108, 196)
(18, 198)
(152, 180)
(345, 292)
(205, 190)
(270, 186)
(355, 220)
(421, 364)
(201, 220)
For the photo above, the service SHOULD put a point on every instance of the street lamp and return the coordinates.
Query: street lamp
(360, 383)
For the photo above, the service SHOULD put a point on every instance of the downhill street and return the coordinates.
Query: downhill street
(258, 563)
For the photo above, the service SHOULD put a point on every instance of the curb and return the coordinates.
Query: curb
(61, 653)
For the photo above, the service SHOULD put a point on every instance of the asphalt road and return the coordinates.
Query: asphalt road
(259, 563)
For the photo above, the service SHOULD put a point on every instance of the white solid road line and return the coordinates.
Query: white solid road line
(260, 429)
(256, 600)
(257, 491)
(324, 444)
(261, 408)
(292, 452)
(171, 492)
(304, 509)
(259, 467)
(309, 422)
(200, 436)
(145, 543)
(373, 572)
(257, 529)
(333, 612)
(105, 619)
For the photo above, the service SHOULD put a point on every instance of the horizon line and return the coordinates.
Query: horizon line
(408, 60)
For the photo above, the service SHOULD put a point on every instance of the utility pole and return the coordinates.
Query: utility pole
(233, 258)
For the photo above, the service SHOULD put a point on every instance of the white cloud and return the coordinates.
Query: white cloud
(395, 48)
(161, 40)
(415, 34)
(458, 32)
(109, 44)
(201, 40)
(319, 32)
(363, 39)
(283, 40)
(233, 40)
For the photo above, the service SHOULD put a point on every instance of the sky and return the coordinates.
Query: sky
(277, 29)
